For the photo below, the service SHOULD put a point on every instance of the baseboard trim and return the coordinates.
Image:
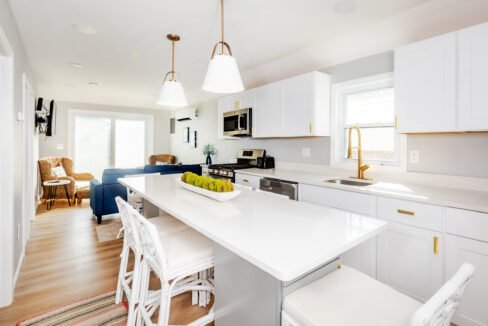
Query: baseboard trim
(17, 270)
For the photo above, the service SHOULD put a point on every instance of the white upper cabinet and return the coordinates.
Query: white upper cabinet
(267, 113)
(473, 78)
(306, 101)
(425, 85)
(294, 107)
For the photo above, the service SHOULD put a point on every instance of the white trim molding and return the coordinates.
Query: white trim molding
(337, 160)
(6, 171)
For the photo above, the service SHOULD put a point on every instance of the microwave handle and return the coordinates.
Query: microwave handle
(241, 117)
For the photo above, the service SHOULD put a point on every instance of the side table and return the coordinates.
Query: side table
(52, 190)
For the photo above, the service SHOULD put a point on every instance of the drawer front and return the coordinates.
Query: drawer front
(467, 224)
(247, 180)
(410, 213)
(346, 200)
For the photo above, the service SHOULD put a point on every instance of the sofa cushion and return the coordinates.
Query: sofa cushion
(110, 176)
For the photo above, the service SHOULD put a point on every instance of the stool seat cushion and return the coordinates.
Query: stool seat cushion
(184, 247)
(167, 224)
(348, 297)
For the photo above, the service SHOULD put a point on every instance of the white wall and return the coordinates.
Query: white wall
(48, 145)
(455, 154)
(21, 66)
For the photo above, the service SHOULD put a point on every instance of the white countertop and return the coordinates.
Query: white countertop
(443, 196)
(285, 238)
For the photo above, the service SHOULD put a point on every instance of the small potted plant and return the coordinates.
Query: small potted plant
(209, 150)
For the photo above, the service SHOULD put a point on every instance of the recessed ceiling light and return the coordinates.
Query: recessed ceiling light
(75, 65)
(345, 7)
(84, 29)
(93, 84)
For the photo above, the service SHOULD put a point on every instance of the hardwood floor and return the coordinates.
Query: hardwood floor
(64, 263)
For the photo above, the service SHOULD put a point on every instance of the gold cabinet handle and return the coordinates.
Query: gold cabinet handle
(310, 128)
(402, 211)
(245, 180)
(436, 245)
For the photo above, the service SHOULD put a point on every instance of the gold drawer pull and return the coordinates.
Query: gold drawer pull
(436, 245)
(402, 211)
(245, 180)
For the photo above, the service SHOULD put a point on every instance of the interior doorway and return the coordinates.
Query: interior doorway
(6, 172)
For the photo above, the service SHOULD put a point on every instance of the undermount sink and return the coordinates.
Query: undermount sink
(350, 182)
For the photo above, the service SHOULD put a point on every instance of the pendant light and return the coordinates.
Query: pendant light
(172, 93)
(223, 73)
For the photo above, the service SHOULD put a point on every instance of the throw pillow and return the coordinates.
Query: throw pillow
(58, 171)
(161, 163)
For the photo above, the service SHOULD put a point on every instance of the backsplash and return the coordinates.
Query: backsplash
(453, 154)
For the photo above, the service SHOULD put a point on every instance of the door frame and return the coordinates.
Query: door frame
(6, 171)
(28, 177)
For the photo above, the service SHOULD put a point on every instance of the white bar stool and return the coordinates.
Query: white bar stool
(347, 297)
(129, 281)
(175, 257)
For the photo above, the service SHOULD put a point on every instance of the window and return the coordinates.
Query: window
(370, 105)
(100, 140)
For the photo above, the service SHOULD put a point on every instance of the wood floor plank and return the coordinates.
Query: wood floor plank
(65, 263)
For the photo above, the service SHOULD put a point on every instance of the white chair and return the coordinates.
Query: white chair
(347, 297)
(133, 198)
(129, 281)
(175, 256)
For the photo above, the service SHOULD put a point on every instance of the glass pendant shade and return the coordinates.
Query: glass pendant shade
(172, 95)
(223, 75)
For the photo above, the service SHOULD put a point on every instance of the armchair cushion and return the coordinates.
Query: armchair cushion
(162, 158)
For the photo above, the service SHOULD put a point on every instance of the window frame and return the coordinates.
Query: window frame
(338, 145)
(113, 116)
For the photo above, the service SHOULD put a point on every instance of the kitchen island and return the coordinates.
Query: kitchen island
(265, 246)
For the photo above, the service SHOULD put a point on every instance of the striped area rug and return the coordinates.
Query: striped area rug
(99, 310)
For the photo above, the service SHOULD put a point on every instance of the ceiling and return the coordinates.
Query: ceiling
(272, 39)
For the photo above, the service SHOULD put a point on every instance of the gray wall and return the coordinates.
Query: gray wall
(21, 66)
(453, 154)
(48, 145)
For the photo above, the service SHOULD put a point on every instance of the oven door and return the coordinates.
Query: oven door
(237, 123)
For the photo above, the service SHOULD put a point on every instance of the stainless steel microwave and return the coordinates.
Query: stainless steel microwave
(238, 123)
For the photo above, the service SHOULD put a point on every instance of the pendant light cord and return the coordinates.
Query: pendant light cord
(222, 24)
(172, 60)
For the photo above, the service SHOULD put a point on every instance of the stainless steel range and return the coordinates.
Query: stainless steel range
(246, 158)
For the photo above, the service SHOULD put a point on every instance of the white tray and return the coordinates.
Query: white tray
(219, 196)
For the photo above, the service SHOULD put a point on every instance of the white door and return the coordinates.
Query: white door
(473, 78)
(425, 85)
(268, 117)
(408, 262)
(473, 309)
(29, 174)
(298, 106)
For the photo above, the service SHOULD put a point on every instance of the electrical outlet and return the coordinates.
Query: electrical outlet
(59, 147)
(306, 152)
(414, 157)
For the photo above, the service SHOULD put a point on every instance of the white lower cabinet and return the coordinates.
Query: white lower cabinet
(474, 306)
(248, 180)
(410, 260)
(362, 257)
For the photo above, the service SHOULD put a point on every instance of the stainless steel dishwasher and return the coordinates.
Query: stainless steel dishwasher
(280, 187)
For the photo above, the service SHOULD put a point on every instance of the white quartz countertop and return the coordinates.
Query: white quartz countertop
(284, 238)
(443, 196)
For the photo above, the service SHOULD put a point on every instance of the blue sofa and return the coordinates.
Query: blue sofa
(102, 194)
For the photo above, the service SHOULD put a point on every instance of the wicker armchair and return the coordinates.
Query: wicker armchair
(78, 180)
(166, 158)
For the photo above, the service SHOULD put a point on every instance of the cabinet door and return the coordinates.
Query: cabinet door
(267, 115)
(425, 85)
(473, 78)
(298, 106)
(408, 262)
(472, 310)
(224, 104)
(363, 256)
(247, 180)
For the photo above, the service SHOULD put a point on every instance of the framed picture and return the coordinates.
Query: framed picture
(193, 141)
(186, 135)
